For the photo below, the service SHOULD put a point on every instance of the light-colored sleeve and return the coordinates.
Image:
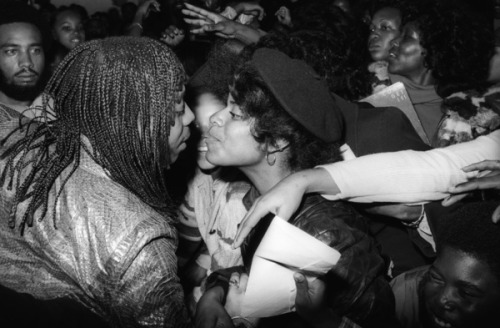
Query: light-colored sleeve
(410, 176)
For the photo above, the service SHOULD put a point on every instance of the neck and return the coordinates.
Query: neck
(423, 78)
(264, 176)
(4, 99)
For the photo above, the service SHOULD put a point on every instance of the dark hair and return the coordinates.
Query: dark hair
(340, 57)
(459, 45)
(470, 229)
(120, 94)
(320, 15)
(218, 70)
(18, 12)
(409, 9)
(63, 9)
(272, 123)
(57, 50)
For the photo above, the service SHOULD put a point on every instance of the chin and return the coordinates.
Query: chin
(203, 164)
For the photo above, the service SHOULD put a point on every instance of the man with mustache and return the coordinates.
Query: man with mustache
(22, 57)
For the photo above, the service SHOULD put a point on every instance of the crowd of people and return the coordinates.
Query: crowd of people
(145, 151)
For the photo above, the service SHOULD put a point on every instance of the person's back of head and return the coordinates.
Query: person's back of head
(120, 95)
(458, 45)
(338, 57)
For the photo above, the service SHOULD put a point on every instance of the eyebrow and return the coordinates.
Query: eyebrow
(7, 45)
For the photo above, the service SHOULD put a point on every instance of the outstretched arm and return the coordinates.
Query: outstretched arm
(402, 177)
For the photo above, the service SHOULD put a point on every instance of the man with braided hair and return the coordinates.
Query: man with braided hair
(84, 207)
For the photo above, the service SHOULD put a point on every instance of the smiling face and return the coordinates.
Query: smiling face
(179, 132)
(461, 291)
(68, 29)
(230, 141)
(406, 56)
(207, 105)
(385, 26)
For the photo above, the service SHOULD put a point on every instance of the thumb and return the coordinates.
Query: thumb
(302, 288)
(496, 215)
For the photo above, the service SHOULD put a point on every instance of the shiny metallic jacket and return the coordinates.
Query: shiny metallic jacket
(107, 249)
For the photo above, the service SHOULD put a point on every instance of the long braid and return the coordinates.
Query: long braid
(119, 94)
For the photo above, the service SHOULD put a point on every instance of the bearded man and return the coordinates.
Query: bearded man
(23, 40)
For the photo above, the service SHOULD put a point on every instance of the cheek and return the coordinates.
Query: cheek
(238, 148)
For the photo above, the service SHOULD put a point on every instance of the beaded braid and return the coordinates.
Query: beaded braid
(119, 93)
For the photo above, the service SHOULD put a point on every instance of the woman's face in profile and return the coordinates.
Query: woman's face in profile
(406, 55)
(230, 141)
(207, 105)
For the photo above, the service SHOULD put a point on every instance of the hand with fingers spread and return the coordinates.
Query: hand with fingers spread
(488, 178)
(172, 36)
(201, 18)
(285, 197)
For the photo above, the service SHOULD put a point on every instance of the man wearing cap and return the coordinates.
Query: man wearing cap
(23, 40)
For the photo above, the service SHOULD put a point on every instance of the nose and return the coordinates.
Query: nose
(25, 60)
(447, 299)
(217, 118)
(395, 42)
(188, 116)
(373, 33)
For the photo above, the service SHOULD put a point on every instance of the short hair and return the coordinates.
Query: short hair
(19, 12)
(271, 122)
(120, 93)
(470, 229)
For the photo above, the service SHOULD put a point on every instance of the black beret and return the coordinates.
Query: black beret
(301, 92)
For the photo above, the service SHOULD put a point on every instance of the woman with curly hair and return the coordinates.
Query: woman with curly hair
(85, 206)
(268, 131)
(446, 49)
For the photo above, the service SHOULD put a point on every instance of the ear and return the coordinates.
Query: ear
(278, 146)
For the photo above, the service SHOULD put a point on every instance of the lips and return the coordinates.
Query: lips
(27, 77)
(441, 323)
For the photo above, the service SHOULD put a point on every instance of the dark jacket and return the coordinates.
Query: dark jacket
(356, 286)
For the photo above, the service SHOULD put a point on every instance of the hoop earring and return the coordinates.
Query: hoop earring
(271, 161)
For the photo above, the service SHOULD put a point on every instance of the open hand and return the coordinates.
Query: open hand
(200, 17)
(488, 178)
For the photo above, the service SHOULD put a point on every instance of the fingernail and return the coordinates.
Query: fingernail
(298, 277)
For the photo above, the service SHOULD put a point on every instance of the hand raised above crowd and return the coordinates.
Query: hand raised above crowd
(201, 18)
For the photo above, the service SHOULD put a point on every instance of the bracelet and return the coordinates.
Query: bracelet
(136, 24)
(416, 223)
(243, 320)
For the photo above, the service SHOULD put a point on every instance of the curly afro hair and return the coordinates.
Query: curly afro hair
(459, 45)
